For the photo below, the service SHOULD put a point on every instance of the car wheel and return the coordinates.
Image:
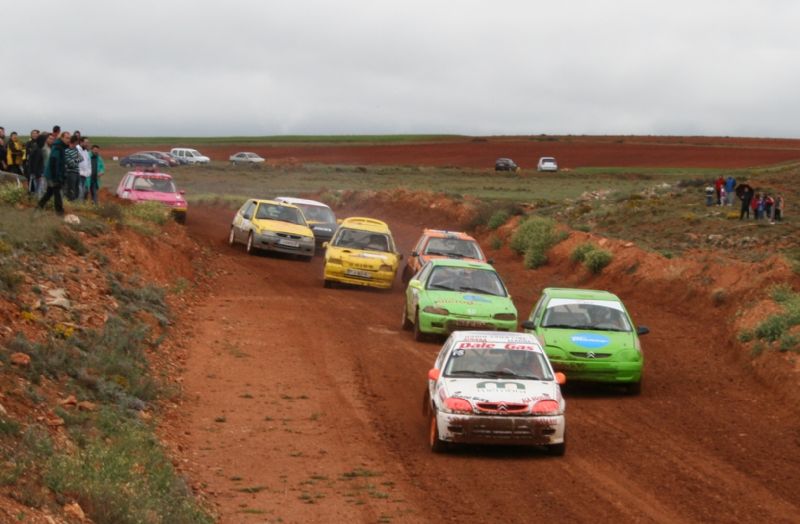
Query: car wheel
(406, 276)
(180, 218)
(633, 389)
(251, 249)
(308, 258)
(419, 336)
(406, 323)
(436, 444)
(231, 237)
(558, 450)
(327, 284)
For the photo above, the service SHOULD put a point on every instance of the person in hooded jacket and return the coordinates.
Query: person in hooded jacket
(56, 172)
(34, 166)
(72, 162)
(15, 155)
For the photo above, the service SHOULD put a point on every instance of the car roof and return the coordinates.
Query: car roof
(496, 337)
(456, 262)
(442, 233)
(546, 158)
(304, 201)
(269, 201)
(149, 174)
(367, 224)
(245, 153)
(580, 294)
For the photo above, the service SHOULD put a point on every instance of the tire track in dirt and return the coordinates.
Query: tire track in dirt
(320, 393)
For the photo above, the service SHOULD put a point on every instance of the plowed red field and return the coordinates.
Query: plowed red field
(304, 406)
(571, 152)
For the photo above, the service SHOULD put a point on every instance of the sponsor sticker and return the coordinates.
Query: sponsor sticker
(590, 340)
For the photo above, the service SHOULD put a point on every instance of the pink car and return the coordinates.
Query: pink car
(145, 186)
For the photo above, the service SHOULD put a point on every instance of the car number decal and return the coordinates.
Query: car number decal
(499, 385)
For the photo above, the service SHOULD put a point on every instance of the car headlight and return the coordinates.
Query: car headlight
(457, 405)
(546, 407)
(385, 267)
(307, 240)
(267, 233)
(335, 260)
(436, 310)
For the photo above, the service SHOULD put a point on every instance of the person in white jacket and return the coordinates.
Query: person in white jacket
(84, 168)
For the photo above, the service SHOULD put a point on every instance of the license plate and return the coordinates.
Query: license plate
(288, 243)
(357, 273)
(470, 323)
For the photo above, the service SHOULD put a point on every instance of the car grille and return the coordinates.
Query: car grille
(287, 235)
(517, 432)
(511, 408)
(589, 354)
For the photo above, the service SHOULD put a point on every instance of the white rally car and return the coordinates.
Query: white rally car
(490, 387)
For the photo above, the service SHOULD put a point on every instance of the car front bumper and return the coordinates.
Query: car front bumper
(444, 325)
(599, 371)
(284, 245)
(502, 429)
(378, 279)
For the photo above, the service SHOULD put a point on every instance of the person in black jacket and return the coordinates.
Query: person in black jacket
(55, 172)
(34, 165)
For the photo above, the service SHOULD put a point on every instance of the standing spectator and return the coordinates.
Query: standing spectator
(747, 198)
(758, 206)
(778, 213)
(718, 188)
(730, 187)
(34, 166)
(723, 195)
(45, 146)
(15, 156)
(2, 149)
(98, 170)
(72, 160)
(84, 168)
(56, 131)
(768, 203)
(55, 172)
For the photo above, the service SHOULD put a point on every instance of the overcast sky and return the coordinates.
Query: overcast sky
(490, 67)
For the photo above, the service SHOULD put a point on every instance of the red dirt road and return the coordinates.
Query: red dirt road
(304, 405)
(571, 152)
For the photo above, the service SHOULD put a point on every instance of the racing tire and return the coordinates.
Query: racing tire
(558, 450)
(231, 238)
(419, 336)
(634, 388)
(328, 284)
(250, 248)
(180, 218)
(406, 276)
(307, 258)
(406, 325)
(437, 445)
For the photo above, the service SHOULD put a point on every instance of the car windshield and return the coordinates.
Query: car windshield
(466, 279)
(280, 213)
(156, 185)
(590, 315)
(317, 213)
(360, 239)
(454, 248)
(496, 363)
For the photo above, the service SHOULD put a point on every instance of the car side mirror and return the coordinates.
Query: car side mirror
(414, 254)
(529, 324)
(434, 374)
(182, 192)
(561, 378)
(399, 256)
(324, 245)
(415, 284)
(246, 216)
(338, 220)
(490, 261)
(642, 330)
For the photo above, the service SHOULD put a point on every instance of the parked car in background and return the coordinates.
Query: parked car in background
(547, 163)
(589, 335)
(505, 164)
(192, 156)
(166, 157)
(142, 160)
(245, 158)
(143, 186)
(320, 217)
(270, 225)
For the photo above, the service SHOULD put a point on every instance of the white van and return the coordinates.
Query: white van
(190, 156)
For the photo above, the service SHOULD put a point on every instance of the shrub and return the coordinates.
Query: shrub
(64, 236)
(152, 212)
(498, 219)
(12, 195)
(746, 335)
(533, 238)
(579, 253)
(110, 211)
(789, 343)
(597, 259)
(771, 328)
(495, 242)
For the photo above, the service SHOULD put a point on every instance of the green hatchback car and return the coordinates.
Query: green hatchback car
(449, 295)
(589, 335)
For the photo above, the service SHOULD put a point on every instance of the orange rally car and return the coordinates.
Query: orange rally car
(438, 243)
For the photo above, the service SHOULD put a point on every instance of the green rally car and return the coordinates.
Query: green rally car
(589, 335)
(447, 295)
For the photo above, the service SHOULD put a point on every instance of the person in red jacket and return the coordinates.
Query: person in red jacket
(718, 185)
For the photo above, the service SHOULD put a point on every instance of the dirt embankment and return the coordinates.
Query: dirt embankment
(302, 403)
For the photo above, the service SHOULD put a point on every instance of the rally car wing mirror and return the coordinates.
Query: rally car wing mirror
(529, 324)
(561, 378)
(415, 284)
(642, 330)
(433, 374)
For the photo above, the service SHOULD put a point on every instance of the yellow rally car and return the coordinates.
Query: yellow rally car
(272, 226)
(362, 252)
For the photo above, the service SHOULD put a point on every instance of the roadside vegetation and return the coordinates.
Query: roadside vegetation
(76, 423)
(778, 331)
(533, 238)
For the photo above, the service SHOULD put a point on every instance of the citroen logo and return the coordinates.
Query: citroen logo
(590, 354)
(501, 407)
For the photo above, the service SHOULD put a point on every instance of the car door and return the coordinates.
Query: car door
(121, 186)
(412, 294)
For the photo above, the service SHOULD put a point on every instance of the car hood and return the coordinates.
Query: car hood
(423, 259)
(158, 197)
(584, 341)
(511, 390)
(469, 303)
(283, 227)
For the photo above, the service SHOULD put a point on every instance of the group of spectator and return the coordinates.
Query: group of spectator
(763, 205)
(52, 163)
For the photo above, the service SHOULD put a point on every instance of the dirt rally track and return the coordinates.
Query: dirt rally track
(304, 405)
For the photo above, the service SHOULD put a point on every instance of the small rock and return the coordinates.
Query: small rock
(69, 401)
(20, 359)
(72, 219)
(85, 405)
(63, 303)
(74, 510)
(628, 244)
(602, 242)
(3, 410)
